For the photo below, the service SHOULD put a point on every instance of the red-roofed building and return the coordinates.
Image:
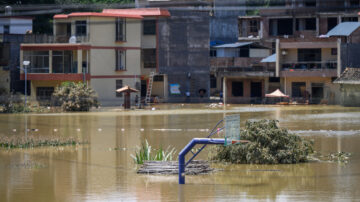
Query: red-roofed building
(107, 49)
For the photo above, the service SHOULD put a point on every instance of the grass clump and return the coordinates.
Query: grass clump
(33, 141)
(269, 144)
(145, 153)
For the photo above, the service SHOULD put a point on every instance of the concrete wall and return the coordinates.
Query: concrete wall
(246, 98)
(16, 25)
(259, 53)
(224, 23)
(183, 49)
(350, 95)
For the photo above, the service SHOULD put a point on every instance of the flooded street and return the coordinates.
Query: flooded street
(97, 171)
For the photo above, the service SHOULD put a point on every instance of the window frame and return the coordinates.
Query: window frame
(80, 27)
(151, 63)
(120, 29)
(118, 60)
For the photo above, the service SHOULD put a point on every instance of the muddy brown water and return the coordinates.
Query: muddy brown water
(97, 172)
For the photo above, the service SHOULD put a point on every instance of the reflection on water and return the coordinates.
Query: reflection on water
(98, 172)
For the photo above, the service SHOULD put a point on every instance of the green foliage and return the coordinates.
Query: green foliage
(34, 141)
(269, 144)
(144, 153)
(11, 103)
(75, 97)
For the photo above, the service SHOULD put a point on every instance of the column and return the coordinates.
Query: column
(338, 57)
(277, 63)
(79, 61)
(166, 88)
(21, 60)
(224, 90)
(50, 61)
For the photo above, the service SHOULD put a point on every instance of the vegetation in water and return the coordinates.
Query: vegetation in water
(75, 96)
(269, 144)
(35, 141)
(145, 153)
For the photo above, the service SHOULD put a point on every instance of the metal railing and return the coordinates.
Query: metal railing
(311, 65)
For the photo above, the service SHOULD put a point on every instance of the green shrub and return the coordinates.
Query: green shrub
(144, 153)
(269, 144)
(75, 97)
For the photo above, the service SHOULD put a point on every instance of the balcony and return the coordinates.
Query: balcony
(44, 38)
(57, 69)
(309, 69)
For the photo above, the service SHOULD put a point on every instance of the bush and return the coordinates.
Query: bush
(75, 97)
(11, 103)
(269, 144)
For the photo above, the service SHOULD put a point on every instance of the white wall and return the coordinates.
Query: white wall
(260, 53)
(17, 25)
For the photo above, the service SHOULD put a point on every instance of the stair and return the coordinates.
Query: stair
(149, 88)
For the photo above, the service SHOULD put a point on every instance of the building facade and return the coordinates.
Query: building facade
(107, 50)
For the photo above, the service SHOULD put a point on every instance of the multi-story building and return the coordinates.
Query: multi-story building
(306, 60)
(12, 33)
(108, 50)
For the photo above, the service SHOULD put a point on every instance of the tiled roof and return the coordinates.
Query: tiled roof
(349, 76)
(87, 14)
(145, 12)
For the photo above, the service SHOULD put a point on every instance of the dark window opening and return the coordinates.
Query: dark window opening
(309, 55)
(253, 24)
(317, 92)
(212, 53)
(149, 58)
(237, 89)
(143, 88)
(62, 62)
(349, 19)
(80, 28)
(149, 27)
(274, 79)
(334, 51)
(119, 84)
(298, 89)
(159, 78)
(4, 54)
(310, 3)
(256, 89)
(120, 29)
(331, 23)
(354, 2)
(212, 81)
(6, 29)
(244, 51)
(44, 93)
(280, 27)
(305, 24)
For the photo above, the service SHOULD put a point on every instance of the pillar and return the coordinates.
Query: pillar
(21, 60)
(79, 61)
(166, 88)
(277, 63)
(224, 90)
(338, 57)
(50, 61)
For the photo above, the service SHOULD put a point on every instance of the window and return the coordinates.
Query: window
(253, 24)
(212, 81)
(62, 62)
(354, 2)
(159, 78)
(305, 24)
(119, 84)
(334, 51)
(279, 27)
(244, 51)
(80, 28)
(120, 60)
(309, 55)
(331, 23)
(274, 79)
(349, 19)
(4, 54)
(149, 58)
(149, 27)
(120, 29)
(212, 52)
(39, 61)
(44, 93)
(310, 3)
(298, 89)
(237, 89)
(6, 29)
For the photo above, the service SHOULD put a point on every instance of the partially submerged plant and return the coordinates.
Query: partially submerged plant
(33, 141)
(144, 153)
(269, 144)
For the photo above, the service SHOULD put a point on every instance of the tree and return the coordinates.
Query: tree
(75, 96)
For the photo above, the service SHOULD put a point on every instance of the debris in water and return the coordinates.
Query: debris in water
(141, 129)
(172, 168)
(153, 108)
(122, 129)
(14, 130)
(99, 129)
(78, 130)
(55, 130)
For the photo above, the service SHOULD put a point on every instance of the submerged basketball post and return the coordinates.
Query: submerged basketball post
(232, 136)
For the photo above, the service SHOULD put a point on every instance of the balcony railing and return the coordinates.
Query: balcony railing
(310, 65)
(38, 69)
(66, 70)
(44, 38)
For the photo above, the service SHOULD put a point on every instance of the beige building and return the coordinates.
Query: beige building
(107, 50)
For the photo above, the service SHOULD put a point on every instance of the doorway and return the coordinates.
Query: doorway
(317, 90)
(256, 89)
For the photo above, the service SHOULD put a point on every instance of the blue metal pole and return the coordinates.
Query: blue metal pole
(25, 87)
(188, 148)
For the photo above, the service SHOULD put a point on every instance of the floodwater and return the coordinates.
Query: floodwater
(98, 172)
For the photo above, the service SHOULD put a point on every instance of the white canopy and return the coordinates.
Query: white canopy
(276, 93)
